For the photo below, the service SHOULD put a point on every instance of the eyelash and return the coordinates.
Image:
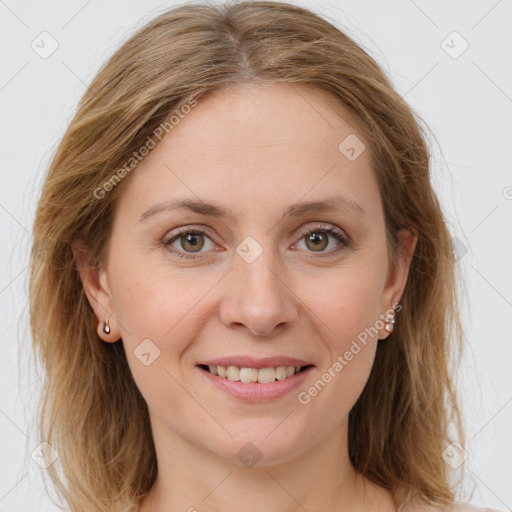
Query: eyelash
(329, 230)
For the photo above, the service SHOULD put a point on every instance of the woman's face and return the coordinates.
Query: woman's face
(260, 167)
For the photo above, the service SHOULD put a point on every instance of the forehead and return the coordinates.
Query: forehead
(258, 145)
(264, 116)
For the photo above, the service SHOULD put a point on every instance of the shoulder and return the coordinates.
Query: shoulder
(455, 507)
(466, 507)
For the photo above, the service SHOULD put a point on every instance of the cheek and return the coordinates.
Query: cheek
(160, 308)
(152, 299)
(155, 317)
(347, 310)
(160, 311)
(349, 304)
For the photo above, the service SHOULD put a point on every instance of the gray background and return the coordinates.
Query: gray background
(466, 99)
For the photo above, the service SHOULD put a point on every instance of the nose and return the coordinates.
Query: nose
(257, 297)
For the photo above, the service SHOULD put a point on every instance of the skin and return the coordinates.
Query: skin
(255, 150)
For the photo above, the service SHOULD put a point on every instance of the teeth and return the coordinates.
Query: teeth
(233, 373)
(281, 372)
(248, 374)
(266, 375)
(262, 375)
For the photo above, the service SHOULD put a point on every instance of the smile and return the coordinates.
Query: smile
(254, 385)
(254, 375)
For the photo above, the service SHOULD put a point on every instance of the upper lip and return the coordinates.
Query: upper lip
(253, 362)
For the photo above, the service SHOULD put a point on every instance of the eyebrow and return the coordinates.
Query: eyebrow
(295, 210)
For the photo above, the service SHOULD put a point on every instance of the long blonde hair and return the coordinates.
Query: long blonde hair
(91, 410)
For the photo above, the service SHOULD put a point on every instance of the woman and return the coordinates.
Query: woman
(242, 288)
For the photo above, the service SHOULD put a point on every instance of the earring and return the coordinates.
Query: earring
(390, 321)
(106, 327)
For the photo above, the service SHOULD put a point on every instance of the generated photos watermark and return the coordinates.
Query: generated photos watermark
(163, 129)
(304, 397)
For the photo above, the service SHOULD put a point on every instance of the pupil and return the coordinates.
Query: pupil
(318, 241)
(193, 241)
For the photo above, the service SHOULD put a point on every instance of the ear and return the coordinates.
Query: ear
(95, 283)
(397, 277)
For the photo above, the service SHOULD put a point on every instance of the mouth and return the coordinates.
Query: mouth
(251, 375)
(255, 380)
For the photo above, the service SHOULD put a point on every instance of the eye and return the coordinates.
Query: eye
(189, 241)
(317, 239)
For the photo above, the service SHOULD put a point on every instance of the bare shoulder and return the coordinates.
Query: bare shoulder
(455, 507)
(466, 507)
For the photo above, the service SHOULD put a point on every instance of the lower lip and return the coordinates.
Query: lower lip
(254, 391)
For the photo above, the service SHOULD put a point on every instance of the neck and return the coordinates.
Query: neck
(193, 479)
